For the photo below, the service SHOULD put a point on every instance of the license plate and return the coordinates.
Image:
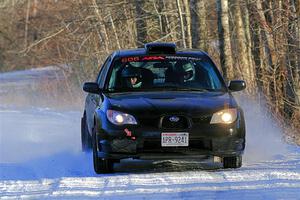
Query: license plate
(175, 139)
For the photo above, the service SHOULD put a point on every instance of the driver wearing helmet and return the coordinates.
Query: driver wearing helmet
(131, 77)
(189, 71)
(185, 70)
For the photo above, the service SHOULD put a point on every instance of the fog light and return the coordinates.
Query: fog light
(217, 159)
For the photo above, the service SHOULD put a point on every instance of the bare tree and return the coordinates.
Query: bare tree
(103, 34)
(181, 23)
(247, 70)
(199, 27)
(171, 18)
(26, 23)
(224, 39)
(140, 22)
(246, 19)
(266, 34)
(188, 23)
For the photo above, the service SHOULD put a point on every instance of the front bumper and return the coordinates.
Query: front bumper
(216, 140)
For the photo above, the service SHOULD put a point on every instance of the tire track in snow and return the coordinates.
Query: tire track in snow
(158, 184)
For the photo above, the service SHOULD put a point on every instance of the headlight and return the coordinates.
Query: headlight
(119, 118)
(226, 116)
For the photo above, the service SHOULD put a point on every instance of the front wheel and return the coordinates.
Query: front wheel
(101, 165)
(86, 142)
(232, 162)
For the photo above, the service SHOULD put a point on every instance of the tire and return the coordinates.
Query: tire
(86, 141)
(232, 162)
(101, 165)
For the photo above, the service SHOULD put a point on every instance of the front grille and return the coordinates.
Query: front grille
(149, 122)
(181, 123)
(202, 119)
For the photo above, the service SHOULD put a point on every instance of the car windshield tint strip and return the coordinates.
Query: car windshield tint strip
(153, 58)
(144, 58)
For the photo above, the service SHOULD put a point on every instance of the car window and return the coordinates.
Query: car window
(148, 73)
(103, 72)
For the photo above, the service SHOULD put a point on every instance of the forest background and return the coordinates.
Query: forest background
(254, 40)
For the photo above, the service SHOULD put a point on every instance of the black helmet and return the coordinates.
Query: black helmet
(130, 71)
(184, 70)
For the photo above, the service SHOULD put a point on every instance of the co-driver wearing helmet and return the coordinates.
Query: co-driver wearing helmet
(131, 77)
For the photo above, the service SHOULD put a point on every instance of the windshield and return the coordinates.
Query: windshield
(147, 73)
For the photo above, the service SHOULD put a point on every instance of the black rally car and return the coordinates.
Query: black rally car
(158, 102)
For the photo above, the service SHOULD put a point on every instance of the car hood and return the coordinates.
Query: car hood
(170, 102)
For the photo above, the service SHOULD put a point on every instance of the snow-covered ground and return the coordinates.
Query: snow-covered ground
(18, 80)
(40, 158)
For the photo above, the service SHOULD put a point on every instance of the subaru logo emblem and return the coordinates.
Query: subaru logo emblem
(174, 119)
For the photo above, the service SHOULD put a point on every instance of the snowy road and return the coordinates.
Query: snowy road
(40, 158)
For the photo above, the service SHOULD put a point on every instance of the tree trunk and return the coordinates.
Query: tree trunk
(297, 63)
(26, 24)
(131, 25)
(114, 30)
(245, 66)
(163, 21)
(35, 8)
(293, 52)
(188, 23)
(181, 23)
(141, 25)
(199, 27)
(158, 8)
(171, 18)
(224, 39)
(248, 37)
(103, 32)
(269, 44)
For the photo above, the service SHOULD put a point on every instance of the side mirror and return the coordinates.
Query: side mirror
(91, 87)
(237, 85)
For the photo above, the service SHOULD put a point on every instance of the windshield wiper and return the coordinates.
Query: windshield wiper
(163, 87)
(176, 88)
(194, 89)
(117, 90)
